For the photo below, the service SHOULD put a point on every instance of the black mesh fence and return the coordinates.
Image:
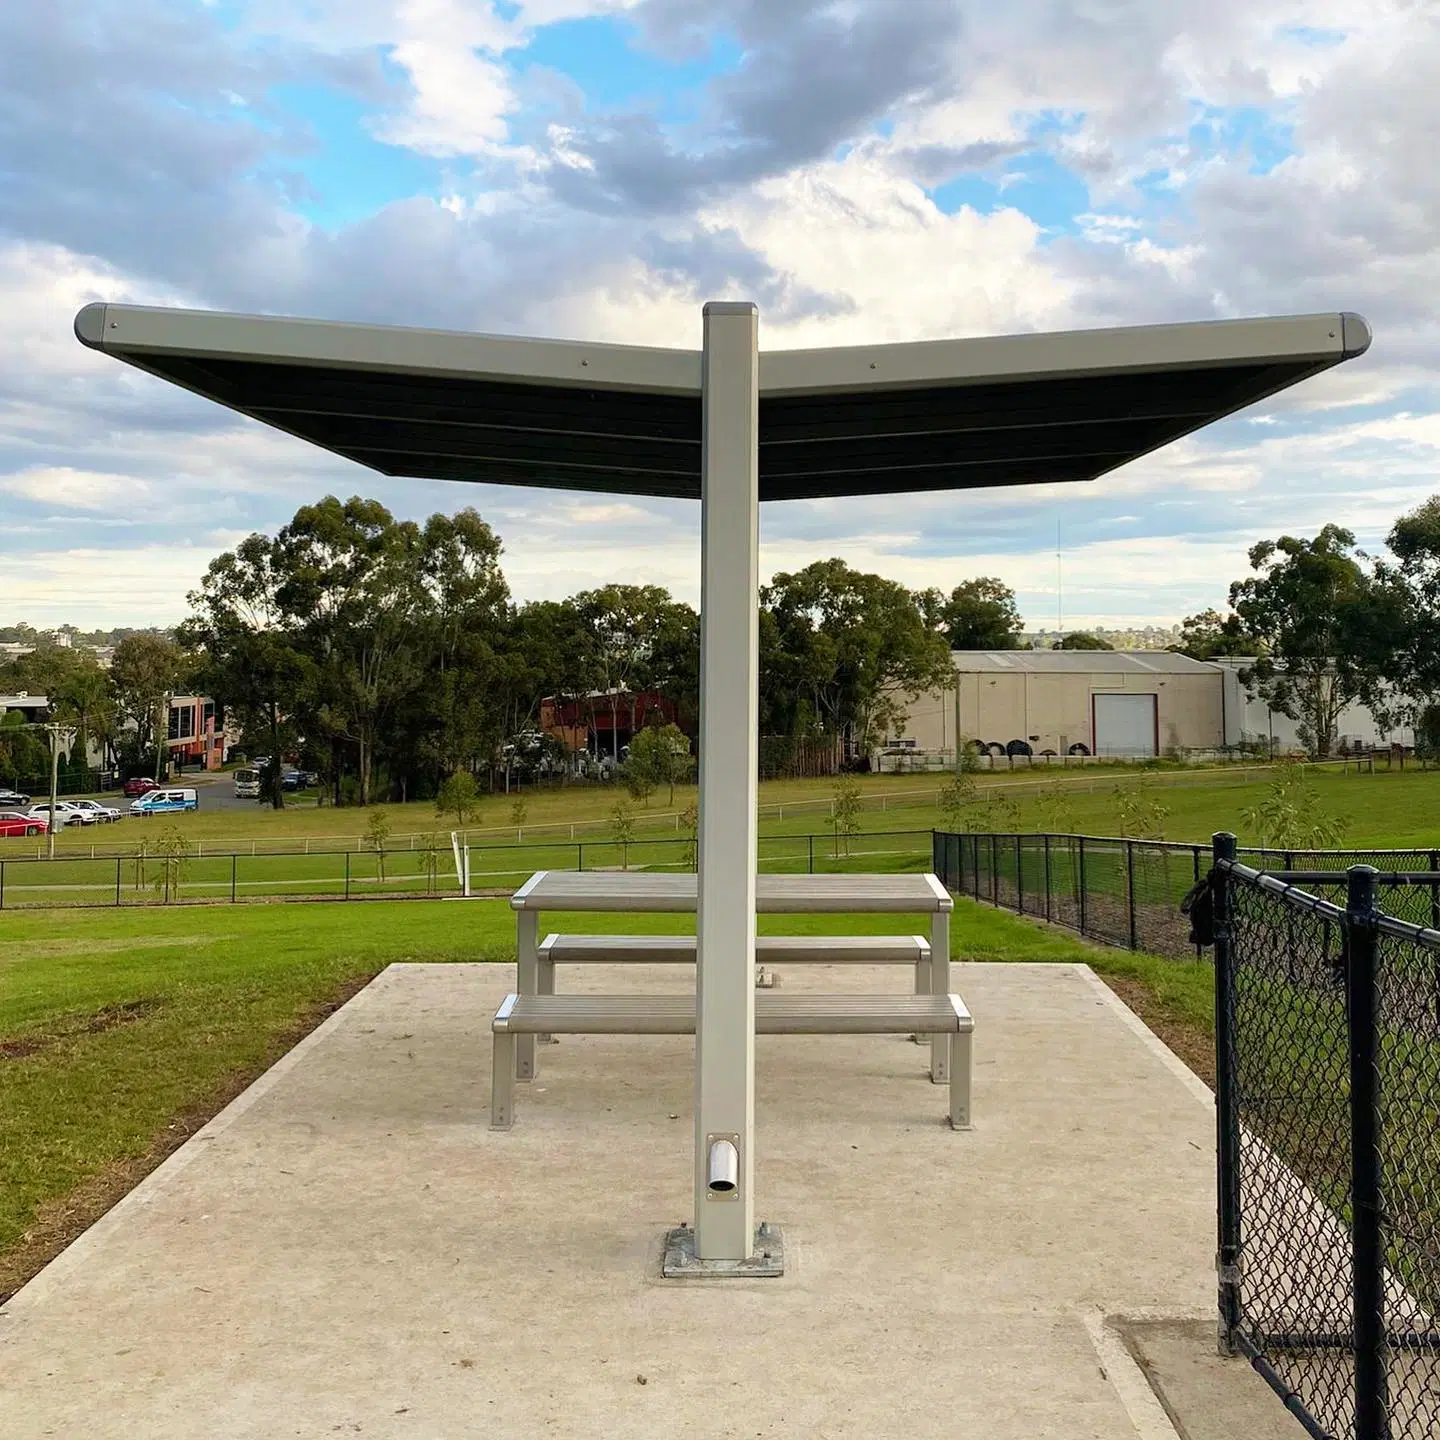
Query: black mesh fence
(1128, 892)
(1328, 1098)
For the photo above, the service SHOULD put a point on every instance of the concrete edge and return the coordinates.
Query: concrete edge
(1167, 1057)
(164, 1175)
(1128, 1379)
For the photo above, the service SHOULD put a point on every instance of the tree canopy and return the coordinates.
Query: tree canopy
(1314, 610)
(1082, 640)
(978, 614)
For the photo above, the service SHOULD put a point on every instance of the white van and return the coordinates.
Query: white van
(247, 784)
(164, 802)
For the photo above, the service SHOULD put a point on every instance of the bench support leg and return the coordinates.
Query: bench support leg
(922, 987)
(961, 1051)
(527, 982)
(940, 985)
(502, 1081)
(545, 985)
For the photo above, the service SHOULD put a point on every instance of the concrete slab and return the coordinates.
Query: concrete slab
(349, 1249)
(1206, 1396)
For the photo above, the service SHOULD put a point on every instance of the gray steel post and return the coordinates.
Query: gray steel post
(1130, 890)
(729, 762)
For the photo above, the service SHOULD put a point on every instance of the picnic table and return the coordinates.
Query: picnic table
(642, 892)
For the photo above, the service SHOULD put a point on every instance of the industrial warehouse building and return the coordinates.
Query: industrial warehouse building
(1128, 704)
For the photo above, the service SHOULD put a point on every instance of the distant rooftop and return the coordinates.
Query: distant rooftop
(1078, 662)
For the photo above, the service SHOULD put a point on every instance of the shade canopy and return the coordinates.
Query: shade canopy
(860, 420)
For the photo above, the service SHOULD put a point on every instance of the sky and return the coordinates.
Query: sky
(865, 170)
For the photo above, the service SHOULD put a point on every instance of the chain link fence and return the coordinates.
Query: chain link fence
(1127, 892)
(1328, 1098)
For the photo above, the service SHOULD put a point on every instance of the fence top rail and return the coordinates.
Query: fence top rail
(1427, 851)
(1285, 890)
(1185, 845)
(1339, 877)
(1403, 930)
(1290, 894)
(390, 848)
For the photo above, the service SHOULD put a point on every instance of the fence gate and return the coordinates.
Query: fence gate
(1328, 1102)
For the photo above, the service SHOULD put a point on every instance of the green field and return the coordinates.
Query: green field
(121, 1032)
(1397, 808)
(309, 852)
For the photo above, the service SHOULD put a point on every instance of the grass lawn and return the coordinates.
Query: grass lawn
(1387, 809)
(121, 1032)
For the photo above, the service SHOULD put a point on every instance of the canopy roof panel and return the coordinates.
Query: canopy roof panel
(860, 420)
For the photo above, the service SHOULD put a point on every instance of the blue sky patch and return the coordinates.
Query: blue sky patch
(605, 58)
(350, 173)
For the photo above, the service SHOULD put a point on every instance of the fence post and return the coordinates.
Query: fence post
(234, 863)
(1367, 1244)
(1048, 886)
(1130, 889)
(1195, 857)
(579, 852)
(1019, 879)
(1435, 925)
(994, 869)
(347, 874)
(1227, 1112)
(117, 880)
(810, 839)
(1084, 908)
(2, 884)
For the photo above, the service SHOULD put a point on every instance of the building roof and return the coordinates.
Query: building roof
(876, 419)
(1078, 662)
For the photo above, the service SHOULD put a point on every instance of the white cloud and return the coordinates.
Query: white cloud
(72, 489)
(143, 586)
(846, 248)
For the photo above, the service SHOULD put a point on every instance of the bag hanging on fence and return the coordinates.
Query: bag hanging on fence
(1198, 908)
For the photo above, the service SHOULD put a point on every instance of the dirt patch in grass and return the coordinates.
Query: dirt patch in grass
(1196, 1047)
(110, 1018)
(63, 1220)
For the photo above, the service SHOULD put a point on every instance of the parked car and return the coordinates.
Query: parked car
(296, 780)
(164, 802)
(66, 813)
(13, 823)
(13, 800)
(104, 814)
(139, 785)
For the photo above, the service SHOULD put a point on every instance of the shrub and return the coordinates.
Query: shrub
(459, 797)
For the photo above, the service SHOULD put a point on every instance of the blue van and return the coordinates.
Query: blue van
(164, 802)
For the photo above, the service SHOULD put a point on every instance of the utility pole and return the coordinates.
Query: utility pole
(55, 731)
(162, 733)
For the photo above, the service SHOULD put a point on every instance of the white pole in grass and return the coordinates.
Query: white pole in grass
(729, 721)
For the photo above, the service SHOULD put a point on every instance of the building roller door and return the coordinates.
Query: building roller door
(1125, 725)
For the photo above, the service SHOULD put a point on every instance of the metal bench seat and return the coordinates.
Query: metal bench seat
(775, 1014)
(769, 949)
(679, 949)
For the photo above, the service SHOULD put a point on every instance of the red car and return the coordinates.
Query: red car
(139, 785)
(13, 824)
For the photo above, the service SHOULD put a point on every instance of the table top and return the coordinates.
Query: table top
(643, 890)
